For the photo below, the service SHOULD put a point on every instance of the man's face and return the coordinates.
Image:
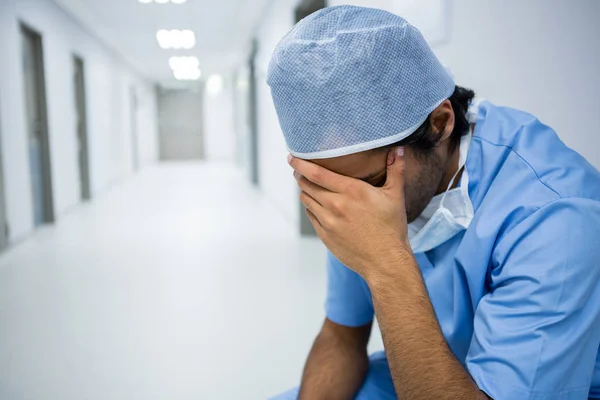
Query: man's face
(424, 173)
(427, 173)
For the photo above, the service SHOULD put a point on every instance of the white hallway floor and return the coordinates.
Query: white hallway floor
(181, 283)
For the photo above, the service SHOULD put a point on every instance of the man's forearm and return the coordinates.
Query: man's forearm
(422, 365)
(334, 370)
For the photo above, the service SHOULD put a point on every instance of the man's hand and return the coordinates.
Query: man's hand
(366, 229)
(363, 226)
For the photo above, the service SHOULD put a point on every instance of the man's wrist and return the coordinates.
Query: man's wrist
(390, 266)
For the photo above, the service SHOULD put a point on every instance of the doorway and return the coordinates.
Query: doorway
(82, 140)
(37, 126)
(304, 9)
(181, 124)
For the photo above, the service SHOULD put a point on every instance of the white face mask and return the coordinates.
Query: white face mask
(446, 214)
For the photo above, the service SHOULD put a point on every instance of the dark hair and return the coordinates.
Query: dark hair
(424, 138)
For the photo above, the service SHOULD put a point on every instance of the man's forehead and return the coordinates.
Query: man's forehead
(357, 165)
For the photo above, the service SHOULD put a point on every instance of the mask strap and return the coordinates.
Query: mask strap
(462, 160)
(449, 186)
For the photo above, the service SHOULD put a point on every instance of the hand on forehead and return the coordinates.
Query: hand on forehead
(365, 166)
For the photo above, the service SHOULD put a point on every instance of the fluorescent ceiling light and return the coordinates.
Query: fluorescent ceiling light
(164, 38)
(214, 85)
(185, 68)
(242, 84)
(188, 39)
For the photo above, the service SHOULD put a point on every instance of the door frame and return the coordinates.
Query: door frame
(4, 228)
(135, 140)
(253, 115)
(304, 9)
(83, 157)
(307, 7)
(37, 39)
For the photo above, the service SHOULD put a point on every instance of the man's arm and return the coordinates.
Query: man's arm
(365, 227)
(535, 333)
(337, 363)
(422, 365)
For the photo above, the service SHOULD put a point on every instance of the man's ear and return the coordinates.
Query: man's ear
(442, 120)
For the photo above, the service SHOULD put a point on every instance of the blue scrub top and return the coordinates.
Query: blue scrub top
(517, 294)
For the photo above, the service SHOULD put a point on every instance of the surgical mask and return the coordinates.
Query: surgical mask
(447, 214)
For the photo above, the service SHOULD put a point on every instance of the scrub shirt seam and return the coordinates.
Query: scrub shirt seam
(523, 159)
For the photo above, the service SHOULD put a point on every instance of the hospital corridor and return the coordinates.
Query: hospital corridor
(299, 199)
(157, 290)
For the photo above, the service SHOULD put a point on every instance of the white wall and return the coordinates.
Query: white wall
(275, 176)
(540, 56)
(107, 82)
(219, 129)
(537, 55)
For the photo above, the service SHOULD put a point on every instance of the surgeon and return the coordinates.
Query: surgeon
(469, 230)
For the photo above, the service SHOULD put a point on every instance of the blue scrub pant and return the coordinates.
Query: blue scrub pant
(378, 384)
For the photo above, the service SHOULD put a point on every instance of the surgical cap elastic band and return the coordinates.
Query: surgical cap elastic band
(357, 148)
(349, 79)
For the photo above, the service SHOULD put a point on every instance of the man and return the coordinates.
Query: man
(473, 236)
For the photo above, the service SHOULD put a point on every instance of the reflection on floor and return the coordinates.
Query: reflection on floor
(182, 283)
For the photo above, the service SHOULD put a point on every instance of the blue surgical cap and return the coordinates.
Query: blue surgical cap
(349, 79)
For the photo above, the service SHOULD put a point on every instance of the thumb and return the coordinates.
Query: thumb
(395, 170)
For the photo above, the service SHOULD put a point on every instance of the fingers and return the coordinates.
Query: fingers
(311, 204)
(315, 223)
(316, 192)
(318, 175)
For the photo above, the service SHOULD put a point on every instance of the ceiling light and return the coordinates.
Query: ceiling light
(214, 85)
(242, 84)
(188, 39)
(185, 68)
(175, 63)
(178, 1)
(161, 1)
(176, 39)
(145, 1)
(164, 38)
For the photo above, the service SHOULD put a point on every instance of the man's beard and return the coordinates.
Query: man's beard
(418, 196)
